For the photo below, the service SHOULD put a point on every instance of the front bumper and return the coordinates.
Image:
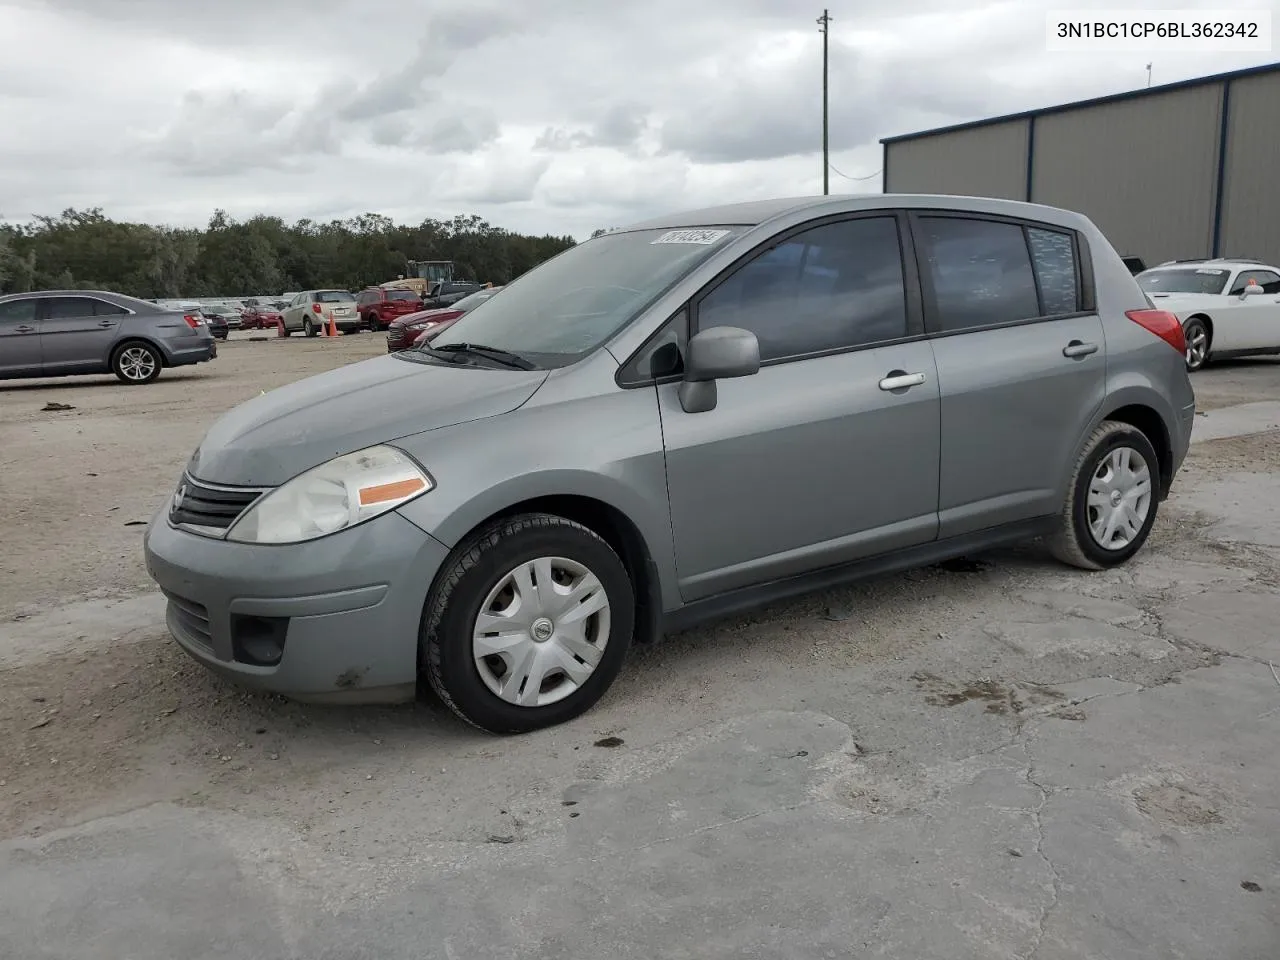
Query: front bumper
(347, 607)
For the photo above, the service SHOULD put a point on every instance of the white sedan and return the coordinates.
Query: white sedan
(1228, 308)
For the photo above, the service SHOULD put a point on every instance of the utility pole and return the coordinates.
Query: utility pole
(823, 23)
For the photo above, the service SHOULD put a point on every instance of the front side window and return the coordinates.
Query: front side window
(568, 306)
(980, 271)
(830, 287)
(1269, 280)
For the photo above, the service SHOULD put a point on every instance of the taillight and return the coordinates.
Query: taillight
(1163, 324)
(315, 308)
(193, 322)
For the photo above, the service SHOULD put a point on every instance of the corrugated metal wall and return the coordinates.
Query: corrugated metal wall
(1251, 197)
(1144, 170)
(979, 162)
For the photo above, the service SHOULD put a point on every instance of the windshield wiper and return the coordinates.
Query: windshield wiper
(504, 357)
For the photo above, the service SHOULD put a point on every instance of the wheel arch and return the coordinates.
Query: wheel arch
(132, 338)
(600, 514)
(1153, 426)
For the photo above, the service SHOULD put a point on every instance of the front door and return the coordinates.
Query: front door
(77, 333)
(1255, 319)
(1021, 367)
(19, 338)
(828, 454)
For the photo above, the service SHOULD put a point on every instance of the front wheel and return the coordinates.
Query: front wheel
(528, 625)
(1196, 333)
(1112, 499)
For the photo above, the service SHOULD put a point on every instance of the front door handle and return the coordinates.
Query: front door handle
(25, 328)
(1076, 349)
(899, 380)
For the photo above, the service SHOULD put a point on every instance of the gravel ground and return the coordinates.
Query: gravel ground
(920, 674)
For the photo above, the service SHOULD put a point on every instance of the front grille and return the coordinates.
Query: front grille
(191, 620)
(204, 505)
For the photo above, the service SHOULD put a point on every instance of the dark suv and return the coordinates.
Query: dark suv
(378, 306)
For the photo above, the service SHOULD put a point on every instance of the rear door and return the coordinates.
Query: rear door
(1021, 363)
(830, 452)
(1255, 319)
(19, 338)
(77, 333)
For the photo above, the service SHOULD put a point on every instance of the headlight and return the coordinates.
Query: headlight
(333, 496)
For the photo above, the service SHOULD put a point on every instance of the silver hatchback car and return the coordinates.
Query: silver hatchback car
(59, 333)
(671, 422)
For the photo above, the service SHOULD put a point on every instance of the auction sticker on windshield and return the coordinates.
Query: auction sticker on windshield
(691, 236)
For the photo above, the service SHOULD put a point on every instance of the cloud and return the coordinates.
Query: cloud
(555, 116)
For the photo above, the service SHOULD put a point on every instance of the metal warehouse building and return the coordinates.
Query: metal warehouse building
(1178, 171)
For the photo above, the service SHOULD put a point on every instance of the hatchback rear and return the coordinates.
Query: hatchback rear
(668, 423)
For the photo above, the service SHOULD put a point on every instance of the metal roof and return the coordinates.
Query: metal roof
(1092, 102)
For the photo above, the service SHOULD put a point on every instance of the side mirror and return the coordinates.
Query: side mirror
(716, 354)
(1252, 290)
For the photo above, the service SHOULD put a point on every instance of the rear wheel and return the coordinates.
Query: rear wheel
(1112, 499)
(136, 362)
(1196, 332)
(529, 625)
(308, 328)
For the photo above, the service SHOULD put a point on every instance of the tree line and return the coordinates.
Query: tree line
(86, 250)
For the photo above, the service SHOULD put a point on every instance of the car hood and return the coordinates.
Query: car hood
(274, 437)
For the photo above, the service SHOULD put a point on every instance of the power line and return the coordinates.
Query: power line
(870, 176)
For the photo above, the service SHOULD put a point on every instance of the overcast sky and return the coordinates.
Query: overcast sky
(547, 116)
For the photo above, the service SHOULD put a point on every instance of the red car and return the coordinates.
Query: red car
(409, 330)
(259, 315)
(378, 307)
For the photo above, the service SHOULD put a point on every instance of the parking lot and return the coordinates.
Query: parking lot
(999, 757)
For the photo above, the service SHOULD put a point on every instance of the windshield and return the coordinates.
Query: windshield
(401, 295)
(570, 305)
(1184, 280)
(333, 296)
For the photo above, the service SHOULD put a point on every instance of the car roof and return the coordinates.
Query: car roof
(755, 212)
(1226, 263)
(120, 299)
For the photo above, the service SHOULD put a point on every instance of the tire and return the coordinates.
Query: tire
(1196, 332)
(308, 328)
(479, 575)
(1076, 543)
(136, 363)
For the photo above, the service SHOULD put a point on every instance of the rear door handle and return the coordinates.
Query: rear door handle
(106, 323)
(1076, 349)
(25, 328)
(898, 380)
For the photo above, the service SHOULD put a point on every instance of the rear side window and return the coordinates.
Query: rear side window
(980, 271)
(1053, 255)
(831, 287)
(103, 309)
(65, 308)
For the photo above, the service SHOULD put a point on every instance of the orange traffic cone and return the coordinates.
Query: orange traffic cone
(332, 329)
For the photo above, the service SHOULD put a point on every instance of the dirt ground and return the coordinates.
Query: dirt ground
(100, 711)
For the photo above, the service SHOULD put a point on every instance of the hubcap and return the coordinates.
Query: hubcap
(136, 363)
(1197, 346)
(541, 631)
(1119, 498)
